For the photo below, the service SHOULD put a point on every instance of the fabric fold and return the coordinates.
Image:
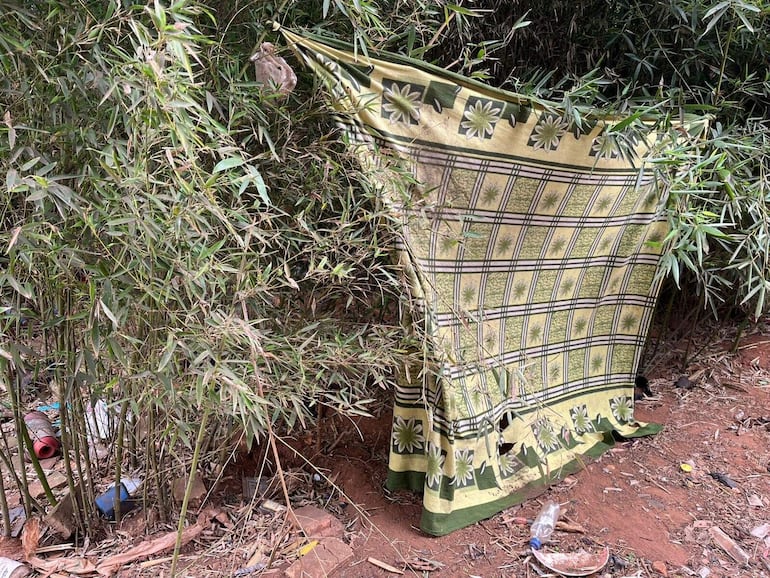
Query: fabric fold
(531, 244)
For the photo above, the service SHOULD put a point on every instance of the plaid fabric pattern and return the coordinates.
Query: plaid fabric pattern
(532, 246)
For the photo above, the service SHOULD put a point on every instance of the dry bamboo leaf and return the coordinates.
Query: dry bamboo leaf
(11, 548)
(30, 537)
(423, 565)
(78, 566)
(570, 527)
(109, 566)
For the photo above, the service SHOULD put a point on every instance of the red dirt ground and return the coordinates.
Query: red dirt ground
(637, 499)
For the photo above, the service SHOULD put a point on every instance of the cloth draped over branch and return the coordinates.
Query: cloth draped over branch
(530, 242)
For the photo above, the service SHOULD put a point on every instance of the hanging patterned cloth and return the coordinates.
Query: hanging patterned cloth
(532, 246)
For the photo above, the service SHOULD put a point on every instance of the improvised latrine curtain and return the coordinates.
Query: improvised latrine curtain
(532, 245)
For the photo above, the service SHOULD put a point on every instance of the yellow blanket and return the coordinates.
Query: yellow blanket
(532, 245)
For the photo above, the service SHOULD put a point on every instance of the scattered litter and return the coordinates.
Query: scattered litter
(761, 531)
(755, 500)
(307, 548)
(99, 420)
(127, 488)
(13, 569)
(253, 487)
(728, 545)
(579, 563)
(44, 441)
(723, 479)
(272, 507)
(687, 468)
(55, 406)
(384, 566)
(112, 564)
(249, 569)
(544, 525)
(17, 518)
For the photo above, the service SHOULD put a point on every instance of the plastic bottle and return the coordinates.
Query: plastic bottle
(543, 526)
(106, 501)
(13, 569)
(44, 441)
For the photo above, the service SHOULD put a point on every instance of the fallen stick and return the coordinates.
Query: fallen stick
(109, 566)
(384, 566)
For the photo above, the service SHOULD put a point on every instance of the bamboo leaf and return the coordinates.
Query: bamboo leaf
(228, 163)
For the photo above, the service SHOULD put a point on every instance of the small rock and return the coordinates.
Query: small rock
(684, 383)
(321, 561)
(49, 463)
(318, 523)
(761, 531)
(197, 492)
(62, 518)
(704, 572)
(55, 480)
(660, 567)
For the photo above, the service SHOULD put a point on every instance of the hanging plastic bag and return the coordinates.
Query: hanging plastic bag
(272, 70)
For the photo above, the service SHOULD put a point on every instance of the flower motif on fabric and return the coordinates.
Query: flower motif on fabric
(401, 102)
(579, 415)
(604, 203)
(519, 289)
(468, 295)
(628, 322)
(550, 200)
(407, 436)
(509, 464)
(547, 132)
(480, 117)
(546, 438)
(490, 194)
(435, 467)
(622, 408)
(504, 245)
(579, 326)
(605, 147)
(463, 468)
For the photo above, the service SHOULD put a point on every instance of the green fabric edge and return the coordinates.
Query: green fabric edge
(443, 524)
(394, 58)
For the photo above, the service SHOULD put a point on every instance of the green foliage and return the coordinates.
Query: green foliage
(178, 239)
(194, 247)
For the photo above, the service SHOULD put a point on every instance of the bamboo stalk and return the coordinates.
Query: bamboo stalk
(188, 489)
